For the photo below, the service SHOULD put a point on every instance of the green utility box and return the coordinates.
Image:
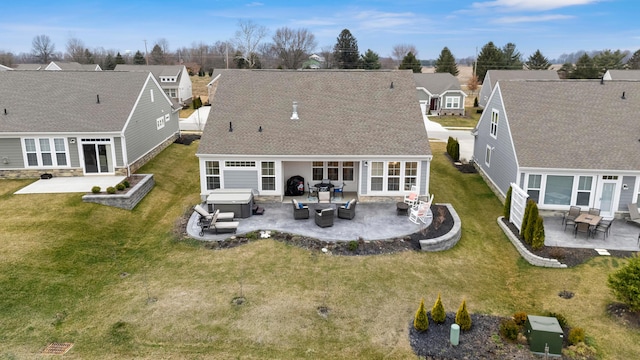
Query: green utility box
(544, 331)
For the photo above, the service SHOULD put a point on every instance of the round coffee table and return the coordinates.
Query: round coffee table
(402, 208)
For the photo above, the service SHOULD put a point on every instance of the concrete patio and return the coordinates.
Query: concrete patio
(623, 236)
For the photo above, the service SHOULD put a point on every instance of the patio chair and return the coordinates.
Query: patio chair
(421, 212)
(300, 210)
(324, 218)
(594, 211)
(222, 216)
(337, 190)
(218, 226)
(583, 228)
(572, 214)
(324, 197)
(312, 193)
(348, 210)
(634, 216)
(604, 226)
(412, 197)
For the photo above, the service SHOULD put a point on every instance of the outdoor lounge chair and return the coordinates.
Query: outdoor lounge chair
(217, 226)
(300, 210)
(412, 198)
(421, 212)
(225, 216)
(348, 210)
(634, 216)
(324, 218)
(324, 197)
(604, 226)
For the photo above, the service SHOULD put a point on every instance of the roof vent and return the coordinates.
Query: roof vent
(97, 99)
(391, 87)
(5, 111)
(623, 96)
(260, 128)
(230, 127)
(294, 116)
(602, 80)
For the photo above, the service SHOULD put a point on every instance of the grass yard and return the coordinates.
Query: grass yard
(469, 120)
(118, 285)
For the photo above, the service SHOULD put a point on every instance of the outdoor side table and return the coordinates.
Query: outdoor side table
(402, 208)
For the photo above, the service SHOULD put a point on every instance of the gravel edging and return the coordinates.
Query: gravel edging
(526, 254)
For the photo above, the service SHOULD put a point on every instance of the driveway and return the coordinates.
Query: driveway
(437, 131)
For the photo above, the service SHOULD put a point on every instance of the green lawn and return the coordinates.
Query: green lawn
(118, 284)
(469, 120)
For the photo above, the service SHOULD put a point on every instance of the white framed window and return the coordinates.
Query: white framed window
(494, 123)
(377, 175)
(332, 170)
(558, 189)
(451, 102)
(160, 122)
(347, 170)
(317, 170)
(585, 184)
(487, 156)
(171, 93)
(212, 173)
(49, 152)
(410, 174)
(240, 164)
(167, 117)
(268, 175)
(533, 187)
(393, 176)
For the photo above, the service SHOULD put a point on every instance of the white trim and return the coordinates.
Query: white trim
(488, 154)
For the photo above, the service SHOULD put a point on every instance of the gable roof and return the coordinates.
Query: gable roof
(623, 75)
(60, 101)
(5, 68)
(580, 124)
(496, 75)
(437, 83)
(72, 66)
(156, 70)
(28, 66)
(340, 113)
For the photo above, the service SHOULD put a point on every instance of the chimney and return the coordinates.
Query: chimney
(294, 116)
(97, 99)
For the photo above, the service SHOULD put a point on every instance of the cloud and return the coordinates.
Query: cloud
(384, 20)
(530, 19)
(535, 5)
(254, 4)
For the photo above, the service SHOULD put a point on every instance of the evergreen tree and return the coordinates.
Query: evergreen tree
(634, 61)
(370, 60)
(420, 321)
(566, 71)
(446, 63)
(512, 57)
(608, 60)
(462, 317)
(411, 63)
(537, 61)
(490, 58)
(345, 51)
(157, 55)
(138, 58)
(507, 205)
(119, 59)
(625, 283)
(88, 57)
(585, 69)
(537, 242)
(532, 217)
(109, 63)
(525, 219)
(437, 311)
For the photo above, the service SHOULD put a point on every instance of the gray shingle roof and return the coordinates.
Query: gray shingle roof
(574, 124)
(156, 70)
(625, 74)
(496, 75)
(341, 113)
(61, 101)
(29, 66)
(437, 83)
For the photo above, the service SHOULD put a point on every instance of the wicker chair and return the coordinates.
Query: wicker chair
(299, 212)
(324, 218)
(348, 210)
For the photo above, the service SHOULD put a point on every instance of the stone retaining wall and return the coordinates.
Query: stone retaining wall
(126, 201)
(525, 253)
(447, 241)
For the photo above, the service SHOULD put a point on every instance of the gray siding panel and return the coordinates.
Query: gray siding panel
(12, 150)
(74, 154)
(423, 95)
(364, 179)
(627, 196)
(241, 179)
(117, 142)
(424, 167)
(503, 166)
(142, 134)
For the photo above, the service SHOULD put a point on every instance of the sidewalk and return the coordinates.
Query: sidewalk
(196, 121)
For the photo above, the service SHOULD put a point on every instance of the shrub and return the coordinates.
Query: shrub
(525, 219)
(251, 235)
(352, 245)
(625, 283)
(557, 253)
(120, 187)
(95, 189)
(507, 205)
(462, 317)
(449, 144)
(520, 318)
(531, 224)
(537, 240)
(126, 184)
(210, 72)
(111, 190)
(475, 102)
(509, 329)
(437, 311)
(562, 320)
(576, 335)
(453, 148)
(421, 322)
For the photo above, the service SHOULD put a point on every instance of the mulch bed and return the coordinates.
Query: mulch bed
(187, 139)
(133, 180)
(465, 168)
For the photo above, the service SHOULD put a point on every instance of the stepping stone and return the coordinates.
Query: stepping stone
(602, 252)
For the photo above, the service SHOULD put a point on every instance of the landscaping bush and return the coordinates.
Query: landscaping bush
(509, 329)
(453, 148)
(210, 72)
(126, 184)
(462, 317)
(111, 190)
(520, 318)
(421, 322)
(507, 205)
(352, 245)
(120, 187)
(562, 320)
(576, 335)
(95, 189)
(625, 283)
(537, 241)
(475, 102)
(438, 315)
(525, 220)
(531, 223)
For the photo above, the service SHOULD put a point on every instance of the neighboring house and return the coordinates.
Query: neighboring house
(622, 75)
(493, 76)
(363, 128)
(441, 93)
(75, 123)
(569, 142)
(5, 68)
(314, 62)
(72, 66)
(174, 79)
(28, 66)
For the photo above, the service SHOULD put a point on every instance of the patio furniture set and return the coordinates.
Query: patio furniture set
(590, 223)
(324, 210)
(216, 221)
(326, 186)
(419, 211)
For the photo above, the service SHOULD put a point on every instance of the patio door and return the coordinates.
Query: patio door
(606, 196)
(97, 158)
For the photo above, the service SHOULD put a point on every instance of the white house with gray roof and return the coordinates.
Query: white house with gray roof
(578, 146)
(81, 122)
(363, 128)
(622, 75)
(71, 66)
(441, 93)
(174, 79)
(493, 76)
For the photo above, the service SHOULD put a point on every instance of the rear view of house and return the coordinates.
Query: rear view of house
(440, 93)
(76, 123)
(174, 79)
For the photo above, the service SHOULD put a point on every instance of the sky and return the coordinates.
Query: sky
(554, 27)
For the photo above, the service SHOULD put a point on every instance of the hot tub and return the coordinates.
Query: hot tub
(241, 203)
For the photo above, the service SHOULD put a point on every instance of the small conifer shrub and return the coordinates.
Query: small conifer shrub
(509, 329)
(507, 206)
(120, 187)
(462, 317)
(576, 335)
(95, 189)
(126, 184)
(420, 321)
(111, 190)
(475, 102)
(520, 318)
(437, 311)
